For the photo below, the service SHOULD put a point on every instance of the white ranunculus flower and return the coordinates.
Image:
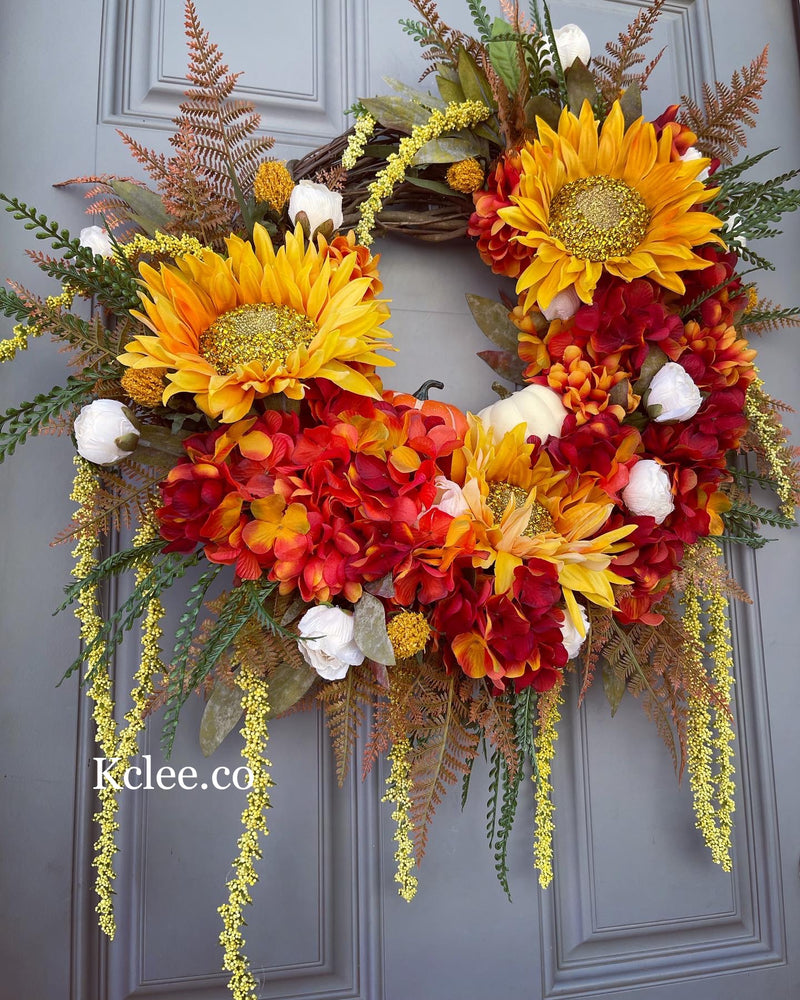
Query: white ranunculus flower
(729, 232)
(673, 389)
(450, 497)
(648, 492)
(563, 306)
(572, 44)
(693, 153)
(97, 240)
(331, 649)
(104, 432)
(318, 202)
(571, 637)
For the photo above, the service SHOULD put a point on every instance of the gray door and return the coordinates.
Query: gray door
(637, 907)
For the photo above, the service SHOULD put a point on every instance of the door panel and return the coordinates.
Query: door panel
(637, 906)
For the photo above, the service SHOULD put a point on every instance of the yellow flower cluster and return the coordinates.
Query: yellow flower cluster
(273, 184)
(768, 431)
(255, 702)
(364, 127)
(454, 117)
(545, 748)
(465, 176)
(23, 332)
(162, 245)
(710, 737)
(398, 789)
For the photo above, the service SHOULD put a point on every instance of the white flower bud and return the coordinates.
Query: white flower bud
(97, 240)
(693, 153)
(330, 648)
(572, 44)
(648, 492)
(563, 306)
(673, 389)
(104, 432)
(318, 202)
(571, 637)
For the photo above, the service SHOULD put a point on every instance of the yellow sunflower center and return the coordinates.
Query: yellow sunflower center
(599, 217)
(262, 332)
(501, 494)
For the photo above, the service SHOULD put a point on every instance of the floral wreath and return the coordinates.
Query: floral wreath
(383, 550)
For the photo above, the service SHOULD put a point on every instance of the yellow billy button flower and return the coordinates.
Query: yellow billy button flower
(273, 184)
(408, 633)
(612, 201)
(465, 176)
(230, 330)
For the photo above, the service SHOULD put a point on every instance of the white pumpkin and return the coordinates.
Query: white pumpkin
(536, 406)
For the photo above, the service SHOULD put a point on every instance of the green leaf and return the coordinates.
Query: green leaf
(542, 107)
(148, 208)
(407, 93)
(580, 87)
(473, 80)
(492, 318)
(395, 112)
(506, 364)
(631, 104)
(370, 632)
(450, 149)
(220, 717)
(450, 90)
(652, 364)
(503, 55)
(614, 687)
(428, 184)
(287, 685)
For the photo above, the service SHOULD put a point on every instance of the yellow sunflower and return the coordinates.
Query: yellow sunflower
(523, 509)
(614, 202)
(232, 329)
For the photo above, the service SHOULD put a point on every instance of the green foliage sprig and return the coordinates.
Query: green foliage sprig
(28, 419)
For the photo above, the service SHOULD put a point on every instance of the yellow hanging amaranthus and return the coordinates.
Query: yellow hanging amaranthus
(454, 117)
(545, 749)
(255, 703)
(364, 127)
(777, 455)
(100, 689)
(398, 789)
(710, 736)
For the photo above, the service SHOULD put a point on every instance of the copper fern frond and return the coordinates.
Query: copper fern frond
(124, 496)
(205, 184)
(600, 629)
(494, 714)
(344, 702)
(614, 72)
(727, 109)
(443, 745)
